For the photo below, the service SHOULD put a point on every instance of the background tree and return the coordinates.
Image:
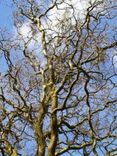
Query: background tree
(58, 93)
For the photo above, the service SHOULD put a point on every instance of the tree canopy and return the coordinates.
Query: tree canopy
(58, 92)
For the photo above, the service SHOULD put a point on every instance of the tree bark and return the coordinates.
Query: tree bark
(38, 126)
(54, 129)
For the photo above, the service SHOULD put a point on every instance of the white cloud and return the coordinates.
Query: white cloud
(60, 14)
(115, 61)
(22, 32)
(56, 16)
(25, 30)
(65, 10)
(26, 33)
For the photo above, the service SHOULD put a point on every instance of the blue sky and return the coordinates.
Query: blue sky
(6, 9)
(6, 23)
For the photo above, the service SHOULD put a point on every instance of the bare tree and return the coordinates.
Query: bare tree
(58, 92)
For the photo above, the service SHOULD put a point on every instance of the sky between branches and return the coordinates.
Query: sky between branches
(63, 10)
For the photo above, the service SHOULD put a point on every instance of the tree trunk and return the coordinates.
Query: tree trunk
(54, 129)
(38, 126)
